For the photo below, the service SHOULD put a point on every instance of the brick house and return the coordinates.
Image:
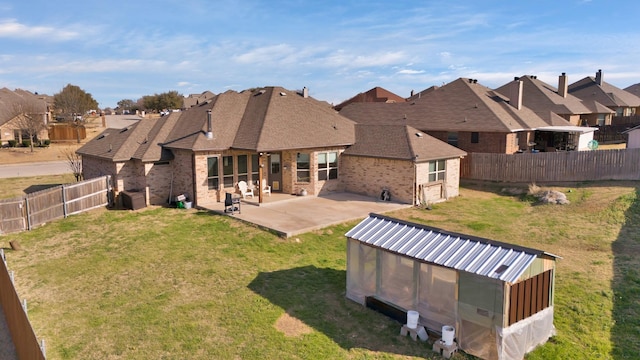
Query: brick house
(595, 89)
(412, 166)
(11, 127)
(469, 116)
(287, 138)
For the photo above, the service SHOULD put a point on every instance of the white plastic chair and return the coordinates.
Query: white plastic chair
(244, 189)
(266, 189)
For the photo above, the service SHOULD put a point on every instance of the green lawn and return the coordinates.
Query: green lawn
(184, 284)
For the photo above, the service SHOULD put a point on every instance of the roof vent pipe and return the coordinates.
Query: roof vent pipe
(209, 125)
(305, 92)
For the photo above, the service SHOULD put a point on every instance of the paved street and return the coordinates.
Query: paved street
(34, 169)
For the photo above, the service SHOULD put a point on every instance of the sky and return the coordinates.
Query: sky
(126, 49)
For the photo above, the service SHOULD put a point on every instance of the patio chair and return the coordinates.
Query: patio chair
(231, 204)
(245, 190)
(266, 189)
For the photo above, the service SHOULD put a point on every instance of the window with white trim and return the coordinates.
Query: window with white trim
(437, 170)
(328, 165)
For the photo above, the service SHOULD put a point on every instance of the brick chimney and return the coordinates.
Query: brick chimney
(599, 77)
(515, 93)
(563, 85)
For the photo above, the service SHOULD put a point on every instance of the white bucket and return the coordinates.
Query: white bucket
(412, 319)
(448, 333)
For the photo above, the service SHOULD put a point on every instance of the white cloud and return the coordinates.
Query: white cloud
(11, 28)
(267, 54)
(410, 72)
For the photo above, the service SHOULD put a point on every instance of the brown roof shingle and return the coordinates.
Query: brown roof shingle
(461, 105)
(400, 142)
(268, 119)
(589, 90)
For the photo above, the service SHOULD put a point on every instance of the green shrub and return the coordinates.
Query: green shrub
(13, 143)
(26, 143)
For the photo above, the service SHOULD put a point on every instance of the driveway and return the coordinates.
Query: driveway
(300, 214)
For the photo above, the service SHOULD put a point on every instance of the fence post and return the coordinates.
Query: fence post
(64, 202)
(26, 200)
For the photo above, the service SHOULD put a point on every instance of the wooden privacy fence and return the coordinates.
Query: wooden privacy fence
(66, 132)
(40, 207)
(15, 312)
(620, 164)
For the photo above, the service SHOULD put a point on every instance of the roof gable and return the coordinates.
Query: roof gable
(377, 94)
(589, 90)
(467, 253)
(277, 119)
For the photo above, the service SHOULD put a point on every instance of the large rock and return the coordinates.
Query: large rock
(552, 197)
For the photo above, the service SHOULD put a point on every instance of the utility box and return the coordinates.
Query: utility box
(133, 199)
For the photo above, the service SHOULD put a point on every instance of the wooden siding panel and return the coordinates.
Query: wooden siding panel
(529, 297)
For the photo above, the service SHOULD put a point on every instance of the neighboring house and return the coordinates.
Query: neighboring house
(292, 141)
(469, 116)
(634, 89)
(196, 99)
(543, 98)
(497, 296)
(375, 95)
(595, 89)
(547, 101)
(414, 167)
(12, 127)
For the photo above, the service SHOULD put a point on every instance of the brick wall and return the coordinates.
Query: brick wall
(488, 142)
(158, 183)
(369, 176)
(95, 167)
(290, 185)
(403, 178)
(446, 189)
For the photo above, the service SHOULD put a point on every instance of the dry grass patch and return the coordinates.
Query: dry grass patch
(291, 326)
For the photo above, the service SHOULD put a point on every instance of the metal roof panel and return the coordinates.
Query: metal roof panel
(479, 256)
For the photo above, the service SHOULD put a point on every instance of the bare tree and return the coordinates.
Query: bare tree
(74, 162)
(30, 117)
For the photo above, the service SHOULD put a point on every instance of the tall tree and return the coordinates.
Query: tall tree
(127, 104)
(30, 116)
(73, 102)
(168, 100)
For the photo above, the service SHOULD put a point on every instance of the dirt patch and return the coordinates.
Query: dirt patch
(291, 326)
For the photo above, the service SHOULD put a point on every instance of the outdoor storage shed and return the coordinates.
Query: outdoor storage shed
(499, 297)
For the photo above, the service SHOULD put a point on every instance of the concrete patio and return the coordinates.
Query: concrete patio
(289, 215)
